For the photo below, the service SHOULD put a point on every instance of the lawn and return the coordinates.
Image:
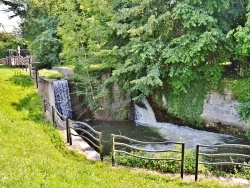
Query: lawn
(33, 154)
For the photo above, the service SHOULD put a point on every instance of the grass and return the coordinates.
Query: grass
(32, 153)
(50, 74)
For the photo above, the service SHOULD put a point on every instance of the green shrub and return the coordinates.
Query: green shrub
(50, 74)
(158, 165)
(240, 89)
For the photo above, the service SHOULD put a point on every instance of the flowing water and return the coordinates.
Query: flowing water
(62, 98)
(146, 128)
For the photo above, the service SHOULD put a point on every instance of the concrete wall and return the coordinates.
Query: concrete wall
(120, 108)
(46, 89)
(221, 109)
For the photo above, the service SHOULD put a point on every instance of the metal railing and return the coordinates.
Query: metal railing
(115, 150)
(81, 129)
(219, 155)
(87, 133)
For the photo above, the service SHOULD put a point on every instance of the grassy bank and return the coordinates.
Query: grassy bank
(32, 153)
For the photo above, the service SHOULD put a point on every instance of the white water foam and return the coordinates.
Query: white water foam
(145, 116)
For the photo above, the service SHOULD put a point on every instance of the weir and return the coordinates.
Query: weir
(144, 115)
(62, 98)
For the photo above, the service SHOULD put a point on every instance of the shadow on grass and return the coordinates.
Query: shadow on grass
(22, 80)
(32, 104)
(4, 66)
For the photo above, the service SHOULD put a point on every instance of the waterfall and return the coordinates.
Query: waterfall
(62, 98)
(144, 114)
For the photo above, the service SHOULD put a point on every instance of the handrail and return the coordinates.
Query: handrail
(114, 150)
(214, 155)
(91, 139)
(67, 124)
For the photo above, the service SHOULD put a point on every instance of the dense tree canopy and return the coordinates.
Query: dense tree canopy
(146, 43)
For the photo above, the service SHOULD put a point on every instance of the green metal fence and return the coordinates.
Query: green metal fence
(217, 155)
(87, 133)
(81, 129)
(135, 148)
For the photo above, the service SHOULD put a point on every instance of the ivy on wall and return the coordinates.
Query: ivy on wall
(241, 92)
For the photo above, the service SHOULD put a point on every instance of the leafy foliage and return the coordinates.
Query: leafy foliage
(46, 46)
(240, 89)
(8, 41)
(143, 44)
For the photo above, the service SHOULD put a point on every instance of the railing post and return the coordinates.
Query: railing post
(36, 77)
(44, 105)
(70, 138)
(101, 146)
(113, 148)
(67, 129)
(53, 115)
(182, 159)
(29, 65)
(197, 162)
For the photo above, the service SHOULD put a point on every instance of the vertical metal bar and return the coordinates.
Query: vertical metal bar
(182, 159)
(44, 105)
(67, 130)
(36, 77)
(29, 66)
(113, 148)
(53, 115)
(197, 162)
(70, 137)
(101, 146)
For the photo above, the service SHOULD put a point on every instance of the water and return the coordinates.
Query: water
(125, 128)
(146, 128)
(62, 98)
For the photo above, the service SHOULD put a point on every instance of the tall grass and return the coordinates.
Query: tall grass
(32, 153)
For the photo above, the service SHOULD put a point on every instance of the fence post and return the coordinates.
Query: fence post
(70, 138)
(113, 148)
(36, 77)
(29, 65)
(67, 129)
(182, 159)
(44, 105)
(101, 146)
(53, 115)
(197, 162)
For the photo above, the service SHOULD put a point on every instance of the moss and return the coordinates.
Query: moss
(186, 107)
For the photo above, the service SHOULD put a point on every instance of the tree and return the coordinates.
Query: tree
(241, 35)
(8, 41)
(169, 41)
